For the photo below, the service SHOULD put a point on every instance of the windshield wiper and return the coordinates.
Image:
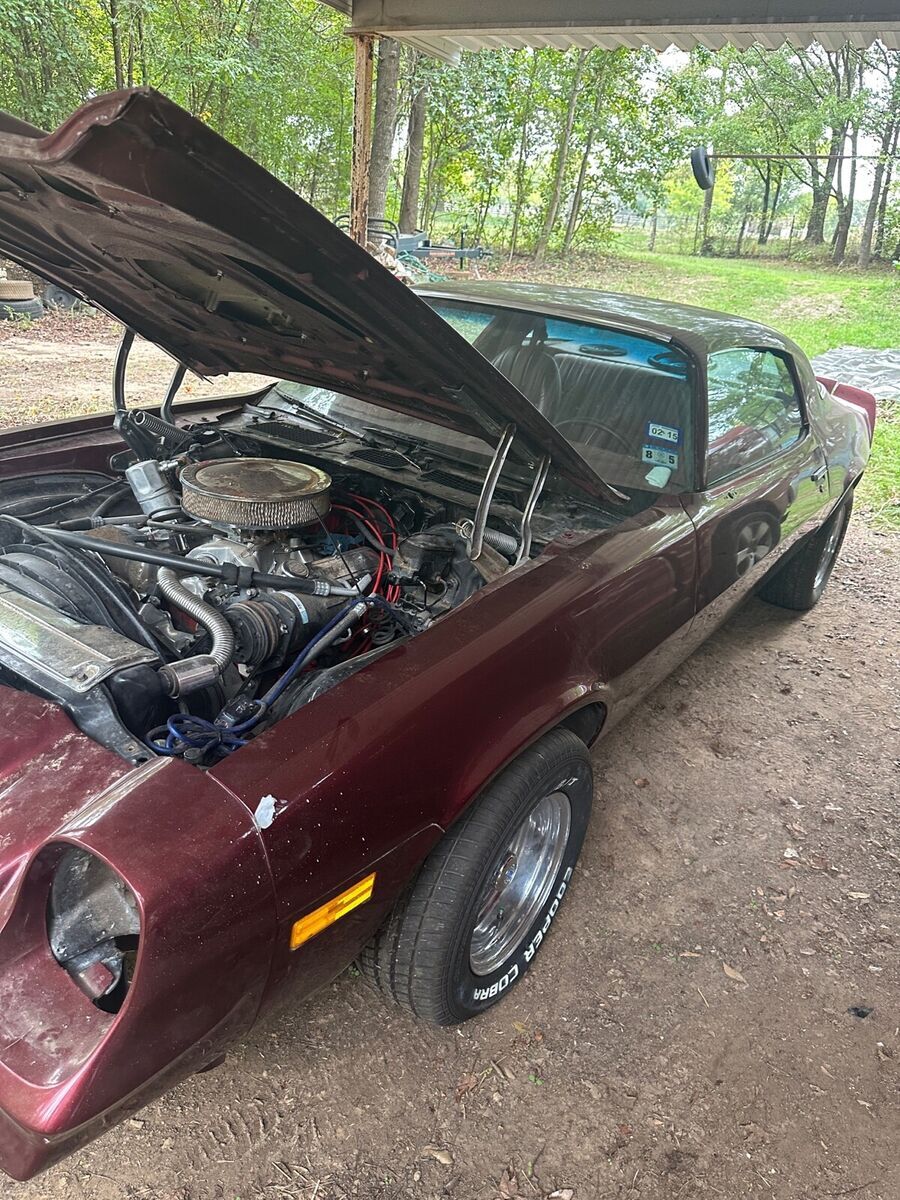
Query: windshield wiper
(280, 402)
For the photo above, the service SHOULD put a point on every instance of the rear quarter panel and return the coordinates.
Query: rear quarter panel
(842, 429)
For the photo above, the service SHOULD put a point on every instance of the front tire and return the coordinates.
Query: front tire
(799, 584)
(471, 924)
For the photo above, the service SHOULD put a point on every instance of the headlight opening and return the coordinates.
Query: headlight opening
(93, 926)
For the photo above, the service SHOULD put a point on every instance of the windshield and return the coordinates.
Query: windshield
(623, 399)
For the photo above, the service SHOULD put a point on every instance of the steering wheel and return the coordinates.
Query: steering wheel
(613, 433)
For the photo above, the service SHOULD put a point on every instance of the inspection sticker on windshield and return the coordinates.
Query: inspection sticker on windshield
(659, 456)
(663, 433)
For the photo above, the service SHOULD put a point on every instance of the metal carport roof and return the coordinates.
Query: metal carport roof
(443, 28)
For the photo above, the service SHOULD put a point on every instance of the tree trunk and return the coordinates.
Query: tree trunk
(742, 231)
(815, 227)
(767, 191)
(484, 206)
(141, 48)
(868, 229)
(845, 219)
(881, 220)
(706, 246)
(520, 165)
(415, 146)
(386, 87)
(118, 61)
(575, 207)
(823, 188)
(654, 226)
(562, 154)
(773, 209)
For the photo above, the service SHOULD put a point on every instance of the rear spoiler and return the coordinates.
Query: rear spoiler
(852, 395)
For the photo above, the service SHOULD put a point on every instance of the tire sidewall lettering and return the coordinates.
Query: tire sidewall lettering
(470, 993)
(532, 948)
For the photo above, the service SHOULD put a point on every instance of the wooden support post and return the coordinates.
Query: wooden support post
(364, 60)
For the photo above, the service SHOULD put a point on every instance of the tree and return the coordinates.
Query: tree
(884, 123)
(385, 124)
(561, 154)
(415, 147)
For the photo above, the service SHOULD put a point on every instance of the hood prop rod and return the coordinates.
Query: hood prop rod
(148, 437)
(486, 499)
(121, 364)
(540, 478)
(175, 382)
(124, 420)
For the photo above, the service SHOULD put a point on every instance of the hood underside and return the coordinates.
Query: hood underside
(144, 211)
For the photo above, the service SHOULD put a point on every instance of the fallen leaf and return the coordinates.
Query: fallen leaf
(466, 1083)
(733, 974)
(642, 782)
(442, 1156)
(508, 1187)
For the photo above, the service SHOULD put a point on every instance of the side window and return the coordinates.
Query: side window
(754, 410)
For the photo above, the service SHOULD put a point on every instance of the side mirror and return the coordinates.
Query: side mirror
(703, 167)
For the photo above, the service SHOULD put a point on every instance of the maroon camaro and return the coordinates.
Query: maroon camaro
(311, 674)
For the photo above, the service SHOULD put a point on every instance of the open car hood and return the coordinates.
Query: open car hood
(144, 211)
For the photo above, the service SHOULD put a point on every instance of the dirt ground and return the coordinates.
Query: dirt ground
(62, 366)
(687, 1031)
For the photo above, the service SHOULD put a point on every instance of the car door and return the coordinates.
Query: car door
(765, 476)
(640, 613)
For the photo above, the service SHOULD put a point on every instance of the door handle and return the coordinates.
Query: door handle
(819, 474)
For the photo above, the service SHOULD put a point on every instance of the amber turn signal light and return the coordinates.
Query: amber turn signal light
(320, 918)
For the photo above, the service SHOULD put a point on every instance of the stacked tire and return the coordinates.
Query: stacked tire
(17, 300)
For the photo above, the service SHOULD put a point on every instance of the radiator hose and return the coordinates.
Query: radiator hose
(201, 670)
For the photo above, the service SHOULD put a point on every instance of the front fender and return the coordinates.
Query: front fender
(192, 856)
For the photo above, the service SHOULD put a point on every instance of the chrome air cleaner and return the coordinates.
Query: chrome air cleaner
(255, 493)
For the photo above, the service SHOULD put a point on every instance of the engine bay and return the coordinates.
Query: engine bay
(220, 576)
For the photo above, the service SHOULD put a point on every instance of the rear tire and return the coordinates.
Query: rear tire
(799, 584)
(471, 924)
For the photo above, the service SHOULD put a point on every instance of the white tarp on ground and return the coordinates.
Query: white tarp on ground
(878, 371)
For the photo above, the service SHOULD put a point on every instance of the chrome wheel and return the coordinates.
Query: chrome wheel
(754, 541)
(826, 562)
(520, 883)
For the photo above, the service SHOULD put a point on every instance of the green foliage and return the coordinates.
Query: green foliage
(534, 150)
(879, 491)
(273, 76)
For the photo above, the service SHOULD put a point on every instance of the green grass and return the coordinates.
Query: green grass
(879, 492)
(819, 307)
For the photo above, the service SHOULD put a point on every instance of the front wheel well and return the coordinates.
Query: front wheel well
(586, 722)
